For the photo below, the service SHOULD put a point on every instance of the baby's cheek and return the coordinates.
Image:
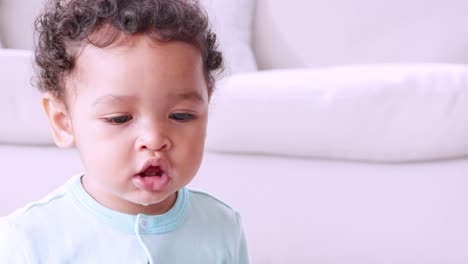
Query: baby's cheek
(187, 160)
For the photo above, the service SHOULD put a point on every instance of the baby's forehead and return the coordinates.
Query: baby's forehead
(140, 68)
(138, 51)
(135, 44)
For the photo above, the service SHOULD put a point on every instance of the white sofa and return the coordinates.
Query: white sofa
(331, 163)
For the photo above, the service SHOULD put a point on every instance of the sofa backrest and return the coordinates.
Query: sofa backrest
(301, 33)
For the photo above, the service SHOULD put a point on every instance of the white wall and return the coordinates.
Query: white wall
(16, 22)
(299, 33)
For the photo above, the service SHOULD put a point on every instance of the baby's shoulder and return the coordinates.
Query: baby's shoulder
(43, 210)
(27, 225)
(210, 207)
(200, 196)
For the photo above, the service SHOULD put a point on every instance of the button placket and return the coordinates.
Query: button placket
(143, 222)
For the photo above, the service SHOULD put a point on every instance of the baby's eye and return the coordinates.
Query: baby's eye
(118, 120)
(182, 116)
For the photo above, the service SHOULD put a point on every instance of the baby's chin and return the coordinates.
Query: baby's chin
(158, 202)
(148, 202)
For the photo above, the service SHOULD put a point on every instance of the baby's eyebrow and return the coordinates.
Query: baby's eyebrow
(191, 96)
(113, 98)
(110, 98)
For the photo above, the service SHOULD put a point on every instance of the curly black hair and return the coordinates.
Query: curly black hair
(66, 25)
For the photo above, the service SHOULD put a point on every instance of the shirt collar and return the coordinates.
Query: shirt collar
(140, 223)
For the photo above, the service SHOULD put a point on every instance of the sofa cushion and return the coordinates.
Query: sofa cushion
(23, 120)
(376, 112)
(232, 22)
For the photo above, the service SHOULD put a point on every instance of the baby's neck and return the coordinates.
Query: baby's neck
(118, 204)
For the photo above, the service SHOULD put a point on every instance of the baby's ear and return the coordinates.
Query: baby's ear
(59, 120)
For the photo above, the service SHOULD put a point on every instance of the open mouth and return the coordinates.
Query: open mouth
(153, 176)
(152, 171)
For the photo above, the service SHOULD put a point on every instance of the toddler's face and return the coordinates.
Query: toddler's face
(138, 115)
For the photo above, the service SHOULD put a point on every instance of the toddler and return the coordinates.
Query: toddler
(126, 82)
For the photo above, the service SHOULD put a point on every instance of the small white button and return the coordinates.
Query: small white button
(143, 223)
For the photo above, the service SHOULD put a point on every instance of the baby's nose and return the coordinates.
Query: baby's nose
(154, 139)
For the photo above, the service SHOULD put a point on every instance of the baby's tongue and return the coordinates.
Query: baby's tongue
(152, 171)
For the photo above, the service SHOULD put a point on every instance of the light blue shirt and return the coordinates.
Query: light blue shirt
(69, 226)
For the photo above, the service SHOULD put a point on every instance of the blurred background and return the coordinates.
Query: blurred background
(339, 129)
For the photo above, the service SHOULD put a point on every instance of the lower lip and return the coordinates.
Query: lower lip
(151, 183)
